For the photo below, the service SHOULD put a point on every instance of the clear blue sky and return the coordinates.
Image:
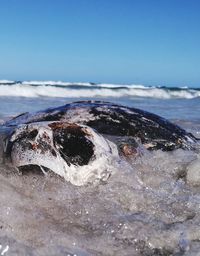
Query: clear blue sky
(153, 42)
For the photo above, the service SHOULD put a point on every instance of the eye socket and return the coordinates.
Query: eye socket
(74, 146)
(31, 135)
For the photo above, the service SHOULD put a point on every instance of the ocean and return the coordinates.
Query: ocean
(149, 206)
(171, 102)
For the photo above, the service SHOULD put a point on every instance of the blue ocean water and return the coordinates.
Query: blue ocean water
(173, 103)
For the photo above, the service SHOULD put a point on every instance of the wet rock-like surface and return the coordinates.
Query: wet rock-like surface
(108, 118)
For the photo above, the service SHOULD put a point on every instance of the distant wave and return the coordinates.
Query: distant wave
(78, 90)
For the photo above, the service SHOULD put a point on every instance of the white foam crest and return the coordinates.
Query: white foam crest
(165, 93)
(101, 85)
(27, 90)
(187, 94)
(54, 83)
(122, 85)
(6, 82)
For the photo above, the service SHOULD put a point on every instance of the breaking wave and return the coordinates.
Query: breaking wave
(77, 90)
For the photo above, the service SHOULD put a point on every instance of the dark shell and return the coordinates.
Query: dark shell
(107, 118)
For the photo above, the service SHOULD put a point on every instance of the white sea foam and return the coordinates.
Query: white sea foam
(54, 83)
(6, 82)
(70, 90)
(145, 208)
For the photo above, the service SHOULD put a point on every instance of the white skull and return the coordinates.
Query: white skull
(75, 152)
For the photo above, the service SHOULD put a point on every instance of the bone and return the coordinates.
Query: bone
(75, 152)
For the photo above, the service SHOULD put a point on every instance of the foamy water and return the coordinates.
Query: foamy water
(145, 207)
(148, 206)
(78, 90)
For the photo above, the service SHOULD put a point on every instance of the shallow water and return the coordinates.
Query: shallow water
(147, 207)
(173, 109)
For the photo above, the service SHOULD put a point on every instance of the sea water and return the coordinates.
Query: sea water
(149, 206)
